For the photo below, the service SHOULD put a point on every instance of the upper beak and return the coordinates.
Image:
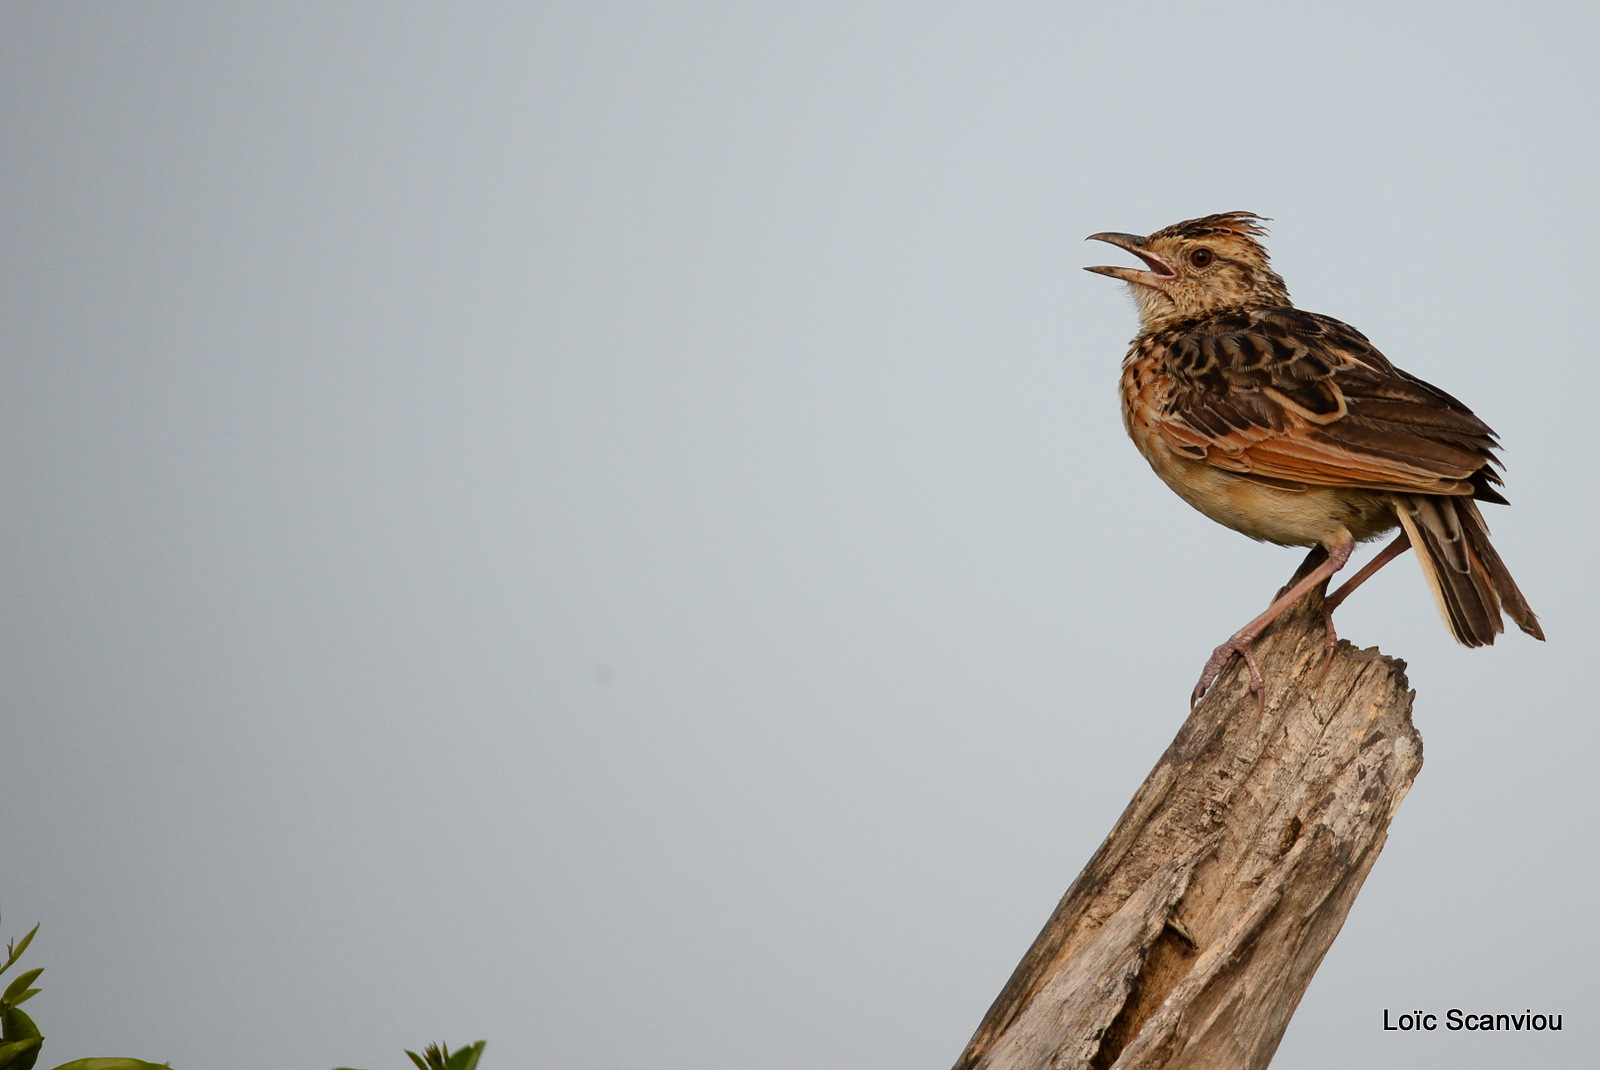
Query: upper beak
(1160, 271)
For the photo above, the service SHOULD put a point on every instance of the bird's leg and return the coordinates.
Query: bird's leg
(1239, 642)
(1400, 545)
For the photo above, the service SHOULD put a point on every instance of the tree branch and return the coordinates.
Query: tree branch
(1194, 930)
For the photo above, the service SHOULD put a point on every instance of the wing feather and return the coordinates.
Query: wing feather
(1293, 397)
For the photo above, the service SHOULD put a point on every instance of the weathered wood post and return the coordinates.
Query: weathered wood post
(1194, 930)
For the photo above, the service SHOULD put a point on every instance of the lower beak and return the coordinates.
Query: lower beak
(1160, 272)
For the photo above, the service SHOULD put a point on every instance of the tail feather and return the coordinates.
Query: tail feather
(1469, 581)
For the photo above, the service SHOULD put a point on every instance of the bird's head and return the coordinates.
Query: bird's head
(1198, 266)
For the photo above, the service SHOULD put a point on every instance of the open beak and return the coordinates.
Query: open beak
(1160, 272)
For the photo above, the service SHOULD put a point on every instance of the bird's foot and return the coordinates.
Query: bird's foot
(1330, 641)
(1239, 644)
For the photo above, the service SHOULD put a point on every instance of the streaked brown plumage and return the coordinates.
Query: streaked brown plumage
(1292, 428)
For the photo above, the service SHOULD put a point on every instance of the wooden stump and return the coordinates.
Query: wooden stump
(1194, 930)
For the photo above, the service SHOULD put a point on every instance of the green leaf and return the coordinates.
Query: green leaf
(417, 1059)
(15, 1025)
(112, 1064)
(20, 985)
(466, 1058)
(15, 948)
(20, 1054)
(16, 951)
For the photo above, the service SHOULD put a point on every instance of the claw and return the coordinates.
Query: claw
(1240, 645)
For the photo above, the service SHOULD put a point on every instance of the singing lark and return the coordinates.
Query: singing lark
(1292, 428)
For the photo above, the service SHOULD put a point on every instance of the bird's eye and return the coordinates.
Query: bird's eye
(1200, 257)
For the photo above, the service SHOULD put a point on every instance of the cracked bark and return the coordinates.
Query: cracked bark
(1194, 930)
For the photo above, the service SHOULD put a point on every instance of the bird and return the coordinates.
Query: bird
(1292, 428)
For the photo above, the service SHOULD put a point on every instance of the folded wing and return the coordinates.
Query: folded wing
(1293, 398)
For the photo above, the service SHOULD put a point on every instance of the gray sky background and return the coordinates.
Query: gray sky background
(606, 527)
